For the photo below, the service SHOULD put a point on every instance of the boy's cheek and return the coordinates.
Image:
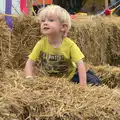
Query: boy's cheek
(41, 28)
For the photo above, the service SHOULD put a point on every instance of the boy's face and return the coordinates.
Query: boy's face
(51, 25)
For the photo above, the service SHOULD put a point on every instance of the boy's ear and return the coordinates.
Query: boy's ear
(64, 27)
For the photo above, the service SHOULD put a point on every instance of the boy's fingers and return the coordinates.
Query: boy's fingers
(29, 77)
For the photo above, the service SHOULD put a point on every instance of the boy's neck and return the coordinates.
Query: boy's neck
(55, 41)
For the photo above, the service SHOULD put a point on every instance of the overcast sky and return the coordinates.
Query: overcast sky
(15, 4)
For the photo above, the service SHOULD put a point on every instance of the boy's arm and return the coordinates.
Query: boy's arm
(29, 68)
(82, 72)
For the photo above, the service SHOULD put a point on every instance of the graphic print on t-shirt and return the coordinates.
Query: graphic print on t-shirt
(54, 64)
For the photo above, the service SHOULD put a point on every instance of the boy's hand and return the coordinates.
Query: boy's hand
(83, 84)
(29, 77)
(82, 87)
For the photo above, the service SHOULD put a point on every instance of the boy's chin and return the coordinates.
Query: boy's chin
(45, 33)
(49, 33)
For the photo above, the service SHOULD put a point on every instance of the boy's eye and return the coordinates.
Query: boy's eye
(42, 20)
(51, 20)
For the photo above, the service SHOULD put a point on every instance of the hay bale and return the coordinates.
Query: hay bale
(110, 75)
(114, 45)
(27, 32)
(94, 47)
(5, 45)
(98, 38)
(55, 99)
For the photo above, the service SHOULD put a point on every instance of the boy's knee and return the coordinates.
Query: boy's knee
(92, 78)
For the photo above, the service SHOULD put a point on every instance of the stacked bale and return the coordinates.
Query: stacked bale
(110, 75)
(86, 36)
(27, 32)
(51, 98)
(94, 35)
(98, 38)
(55, 99)
(114, 45)
(5, 46)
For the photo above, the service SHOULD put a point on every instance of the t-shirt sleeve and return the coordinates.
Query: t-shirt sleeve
(76, 54)
(36, 51)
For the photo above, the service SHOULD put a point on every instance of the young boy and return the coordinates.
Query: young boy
(59, 55)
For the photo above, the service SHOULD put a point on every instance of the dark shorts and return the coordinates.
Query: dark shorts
(91, 78)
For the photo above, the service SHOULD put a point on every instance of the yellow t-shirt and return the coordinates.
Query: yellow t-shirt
(57, 61)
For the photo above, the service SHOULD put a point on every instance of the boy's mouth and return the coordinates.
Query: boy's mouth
(46, 28)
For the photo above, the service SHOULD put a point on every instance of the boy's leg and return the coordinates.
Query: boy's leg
(91, 78)
(75, 78)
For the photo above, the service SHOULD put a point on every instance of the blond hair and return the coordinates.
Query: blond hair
(60, 12)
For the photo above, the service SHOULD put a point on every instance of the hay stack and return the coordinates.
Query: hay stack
(27, 32)
(5, 45)
(98, 38)
(114, 45)
(110, 75)
(55, 99)
(94, 35)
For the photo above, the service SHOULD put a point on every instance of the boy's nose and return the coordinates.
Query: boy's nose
(45, 22)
